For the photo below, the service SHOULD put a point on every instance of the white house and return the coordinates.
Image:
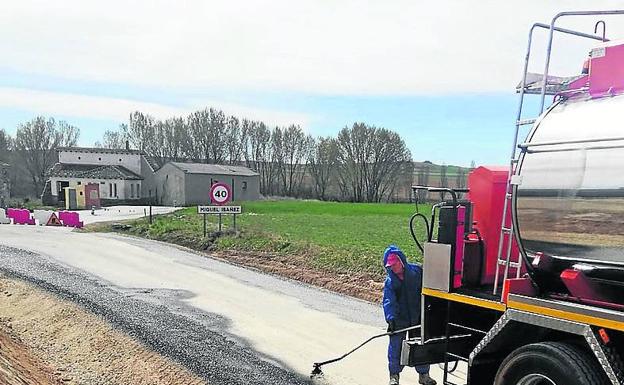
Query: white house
(119, 173)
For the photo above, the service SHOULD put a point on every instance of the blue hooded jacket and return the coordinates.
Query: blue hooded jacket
(401, 298)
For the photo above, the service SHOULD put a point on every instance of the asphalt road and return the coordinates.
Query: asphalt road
(227, 324)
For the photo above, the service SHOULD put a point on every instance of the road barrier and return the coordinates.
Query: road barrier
(41, 217)
(70, 218)
(20, 216)
(4, 220)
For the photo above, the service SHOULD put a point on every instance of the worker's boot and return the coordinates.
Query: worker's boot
(394, 379)
(425, 379)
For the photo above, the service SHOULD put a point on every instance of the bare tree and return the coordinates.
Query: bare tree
(443, 179)
(36, 141)
(294, 152)
(248, 133)
(322, 161)
(234, 140)
(391, 161)
(5, 145)
(112, 139)
(175, 138)
(207, 128)
(443, 176)
(371, 159)
(216, 136)
(198, 123)
(460, 181)
(351, 156)
(139, 131)
(274, 166)
(424, 171)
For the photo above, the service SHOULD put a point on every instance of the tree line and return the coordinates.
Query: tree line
(362, 163)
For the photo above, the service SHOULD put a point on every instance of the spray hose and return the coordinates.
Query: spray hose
(316, 371)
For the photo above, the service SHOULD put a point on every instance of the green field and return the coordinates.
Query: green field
(339, 237)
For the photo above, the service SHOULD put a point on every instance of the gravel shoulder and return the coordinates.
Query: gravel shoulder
(54, 341)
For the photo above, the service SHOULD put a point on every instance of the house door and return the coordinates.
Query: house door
(60, 189)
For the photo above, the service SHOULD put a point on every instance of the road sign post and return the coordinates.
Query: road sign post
(220, 195)
(220, 211)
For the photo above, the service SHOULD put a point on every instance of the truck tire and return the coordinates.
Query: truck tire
(550, 363)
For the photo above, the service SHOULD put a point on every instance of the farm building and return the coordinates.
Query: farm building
(119, 173)
(4, 184)
(187, 184)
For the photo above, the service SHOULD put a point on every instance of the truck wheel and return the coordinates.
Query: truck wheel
(550, 363)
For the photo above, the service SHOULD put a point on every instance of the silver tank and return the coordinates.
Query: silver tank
(570, 201)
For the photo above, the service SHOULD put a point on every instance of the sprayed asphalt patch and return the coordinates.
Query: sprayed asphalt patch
(158, 318)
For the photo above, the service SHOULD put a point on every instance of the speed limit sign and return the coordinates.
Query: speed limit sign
(220, 193)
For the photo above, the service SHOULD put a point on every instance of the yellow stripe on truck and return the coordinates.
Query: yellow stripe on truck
(576, 317)
(465, 299)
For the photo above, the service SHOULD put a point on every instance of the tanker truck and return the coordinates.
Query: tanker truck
(524, 269)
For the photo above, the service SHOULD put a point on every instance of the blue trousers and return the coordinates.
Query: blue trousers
(394, 355)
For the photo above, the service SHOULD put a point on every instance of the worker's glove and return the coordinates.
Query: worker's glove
(391, 326)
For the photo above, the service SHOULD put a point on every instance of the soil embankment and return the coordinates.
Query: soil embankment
(18, 366)
(48, 341)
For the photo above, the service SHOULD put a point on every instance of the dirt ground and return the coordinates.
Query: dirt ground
(361, 286)
(45, 340)
(18, 366)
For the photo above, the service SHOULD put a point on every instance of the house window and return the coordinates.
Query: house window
(102, 182)
(79, 183)
(110, 189)
(115, 188)
(138, 190)
(79, 158)
(244, 185)
(131, 190)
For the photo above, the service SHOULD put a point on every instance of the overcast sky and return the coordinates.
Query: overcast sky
(433, 71)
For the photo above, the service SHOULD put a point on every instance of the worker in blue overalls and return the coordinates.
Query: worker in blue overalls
(401, 304)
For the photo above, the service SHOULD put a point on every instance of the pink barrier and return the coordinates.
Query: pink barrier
(70, 218)
(20, 216)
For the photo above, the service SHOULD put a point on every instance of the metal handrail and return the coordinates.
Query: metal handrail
(452, 191)
(575, 149)
(551, 35)
(525, 146)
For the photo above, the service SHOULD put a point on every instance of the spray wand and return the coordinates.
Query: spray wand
(317, 372)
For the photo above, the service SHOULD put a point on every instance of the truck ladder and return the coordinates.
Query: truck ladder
(548, 86)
